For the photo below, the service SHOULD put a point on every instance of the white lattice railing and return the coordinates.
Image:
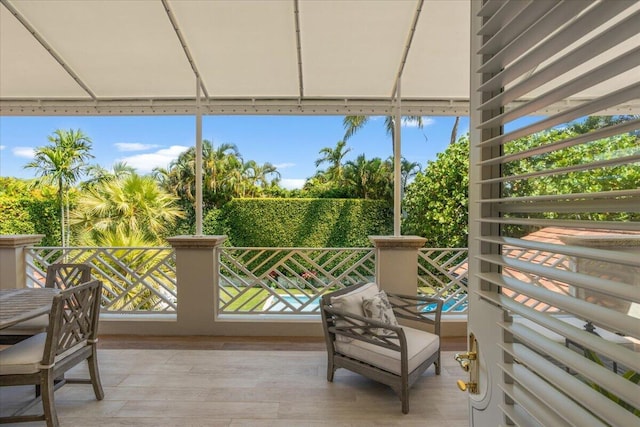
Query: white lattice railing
(288, 280)
(442, 273)
(135, 280)
(253, 281)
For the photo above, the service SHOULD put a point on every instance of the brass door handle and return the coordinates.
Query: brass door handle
(468, 361)
(472, 387)
(464, 359)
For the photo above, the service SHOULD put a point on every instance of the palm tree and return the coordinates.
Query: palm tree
(98, 174)
(334, 158)
(62, 163)
(353, 124)
(370, 179)
(454, 131)
(408, 170)
(256, 177)
(129, 205)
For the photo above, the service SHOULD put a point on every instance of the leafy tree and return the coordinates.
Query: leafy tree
(62, 163)
(28, 210)
(436, 202)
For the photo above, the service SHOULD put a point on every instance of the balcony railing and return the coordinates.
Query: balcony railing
(288, 280)
(251, 281)
(135, 280)
(442, 273)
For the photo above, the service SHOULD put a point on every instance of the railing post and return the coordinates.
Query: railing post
(13, 263)
(197, 281)
(397, 262)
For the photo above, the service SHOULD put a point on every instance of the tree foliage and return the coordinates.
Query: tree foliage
(436, 203)
(62, 163)
(300, 222)
(28, 210)
(127, 207)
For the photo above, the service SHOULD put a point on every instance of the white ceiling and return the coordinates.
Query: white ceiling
(267, 54)
(253, 56)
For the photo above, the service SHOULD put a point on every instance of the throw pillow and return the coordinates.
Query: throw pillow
(351, 302)
(379, 308)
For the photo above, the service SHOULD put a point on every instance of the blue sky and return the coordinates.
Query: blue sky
(291, 143)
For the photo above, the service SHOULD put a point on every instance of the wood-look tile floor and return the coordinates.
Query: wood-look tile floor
(243, 382)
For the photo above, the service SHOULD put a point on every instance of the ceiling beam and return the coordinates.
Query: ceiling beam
(185, 46)
(241, 106)
(296, 13)
(291, 106)
(407, 48)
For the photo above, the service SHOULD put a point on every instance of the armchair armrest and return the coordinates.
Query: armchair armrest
(414, 307)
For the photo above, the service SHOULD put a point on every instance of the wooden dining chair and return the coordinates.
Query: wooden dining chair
(59, 276)
(63, 275)
(70, 338)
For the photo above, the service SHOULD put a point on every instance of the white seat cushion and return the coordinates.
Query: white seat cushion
(23, 357)
(420, 346)
(28, 327)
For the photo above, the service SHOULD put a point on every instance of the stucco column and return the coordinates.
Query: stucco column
(13, 262)
(397, 262)
(13, 265)
(197, 271)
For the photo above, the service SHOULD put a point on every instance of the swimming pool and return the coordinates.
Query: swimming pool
(300, 303)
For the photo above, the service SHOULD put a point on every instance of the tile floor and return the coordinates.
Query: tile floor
(245, 387)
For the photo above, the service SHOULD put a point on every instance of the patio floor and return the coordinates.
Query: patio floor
(197, 381)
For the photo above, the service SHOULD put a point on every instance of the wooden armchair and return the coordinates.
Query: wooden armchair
(59, 276)
(395, 355)
(70, 338)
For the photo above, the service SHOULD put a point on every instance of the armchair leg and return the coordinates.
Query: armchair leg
(404, 397)
(94, 373)
(48, 403)
(437, 364)
(330, 369)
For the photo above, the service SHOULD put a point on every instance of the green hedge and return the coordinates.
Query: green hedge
(324, 223)
(28, 210)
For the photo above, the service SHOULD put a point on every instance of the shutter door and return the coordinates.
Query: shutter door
(560, 206)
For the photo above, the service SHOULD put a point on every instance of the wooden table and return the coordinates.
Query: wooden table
(18, 305)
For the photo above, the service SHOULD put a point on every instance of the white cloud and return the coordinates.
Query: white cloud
(2, 147)
(133, 146)
(284, 165)
(292, 184)
(26, 152)
(426, 121)
(145, 163)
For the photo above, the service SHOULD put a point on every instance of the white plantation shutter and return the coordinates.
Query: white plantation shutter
(560, 258)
